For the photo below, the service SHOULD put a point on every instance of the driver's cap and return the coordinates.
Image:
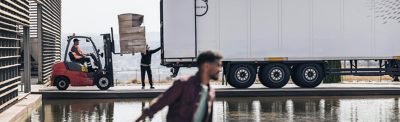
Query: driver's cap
(76, 40)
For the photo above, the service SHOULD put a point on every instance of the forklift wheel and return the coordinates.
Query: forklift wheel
(103, 82)
(62, 83)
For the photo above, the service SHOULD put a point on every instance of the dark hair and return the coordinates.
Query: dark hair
(207, 57)
(76, 40)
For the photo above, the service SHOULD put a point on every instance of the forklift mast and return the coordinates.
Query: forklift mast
(108, 52)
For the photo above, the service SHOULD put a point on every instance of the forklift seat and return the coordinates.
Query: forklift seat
(73, 65)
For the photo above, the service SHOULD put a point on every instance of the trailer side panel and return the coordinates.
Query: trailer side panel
(179, 28)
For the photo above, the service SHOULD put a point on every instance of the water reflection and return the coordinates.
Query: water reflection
(78, 110)
(282, 109)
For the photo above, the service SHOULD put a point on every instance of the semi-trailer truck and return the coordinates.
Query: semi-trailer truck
(279, 40)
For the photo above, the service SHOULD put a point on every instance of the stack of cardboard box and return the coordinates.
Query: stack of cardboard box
(132, 34)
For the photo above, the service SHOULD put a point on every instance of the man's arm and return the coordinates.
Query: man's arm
(167, 98)
(155, 50)
(76, 56)
(80, 51)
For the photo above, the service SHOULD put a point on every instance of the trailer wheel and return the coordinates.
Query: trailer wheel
(62, 83)
(274, 75)
(103, 82)
(293, 76)
(308, 75)
(242, 76)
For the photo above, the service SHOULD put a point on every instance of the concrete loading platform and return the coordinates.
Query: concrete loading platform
(257, 90)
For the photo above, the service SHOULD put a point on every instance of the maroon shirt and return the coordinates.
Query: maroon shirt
(182, 98)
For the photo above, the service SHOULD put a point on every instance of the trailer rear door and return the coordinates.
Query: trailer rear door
(179, 30)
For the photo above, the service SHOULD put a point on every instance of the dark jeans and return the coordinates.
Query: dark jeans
(83, 60)
(143, 70)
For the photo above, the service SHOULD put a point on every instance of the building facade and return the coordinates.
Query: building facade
(45, 35)
(14, 15)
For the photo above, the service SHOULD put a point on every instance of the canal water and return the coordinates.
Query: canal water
(261, 109)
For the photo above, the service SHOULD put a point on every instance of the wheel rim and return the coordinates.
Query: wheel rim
(62, 83)
(242, 74)
(276, 74)
(310, 74)
(103, 82)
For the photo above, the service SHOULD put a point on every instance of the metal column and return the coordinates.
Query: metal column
(27, 61)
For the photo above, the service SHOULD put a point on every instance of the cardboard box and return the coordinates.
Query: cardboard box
(138, 30)
(125, 24)
(132, 33)
(132, 36)
(132, 40)
(133, 49)
(130, 20)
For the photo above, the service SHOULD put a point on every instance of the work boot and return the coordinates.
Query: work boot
(151, 87)
(396, 79)
(90, 69)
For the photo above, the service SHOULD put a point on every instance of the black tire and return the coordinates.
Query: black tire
(293, 76)
(103, 82)
(62, 83)
(274, 75)
(241, 76)
(308, 75)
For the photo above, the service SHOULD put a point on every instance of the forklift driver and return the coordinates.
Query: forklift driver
(79, 56)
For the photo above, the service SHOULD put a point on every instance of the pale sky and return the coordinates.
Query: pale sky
(97, 16)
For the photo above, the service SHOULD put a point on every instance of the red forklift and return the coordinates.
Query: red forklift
(69, 72)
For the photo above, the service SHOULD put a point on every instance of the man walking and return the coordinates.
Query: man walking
(190, 99)
(145, 63)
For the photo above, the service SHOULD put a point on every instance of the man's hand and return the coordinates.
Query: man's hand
(76, 56)
(87, 54)
(141, 118)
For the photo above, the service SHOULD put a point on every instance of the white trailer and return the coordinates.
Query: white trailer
(277, 39)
